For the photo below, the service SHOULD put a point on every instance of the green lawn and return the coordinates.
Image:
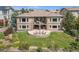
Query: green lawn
(59, 38)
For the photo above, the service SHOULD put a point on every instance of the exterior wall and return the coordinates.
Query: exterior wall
(20, 24)
(6, 14)
(50, 24)
(75, 13)
(31, 21)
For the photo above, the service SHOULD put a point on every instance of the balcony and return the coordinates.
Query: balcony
(40, 20)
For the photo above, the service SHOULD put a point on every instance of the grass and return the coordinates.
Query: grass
(1, 35)
(59, 38)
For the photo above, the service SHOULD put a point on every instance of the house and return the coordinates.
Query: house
(74, 11)
(39, 19)
(5, 14)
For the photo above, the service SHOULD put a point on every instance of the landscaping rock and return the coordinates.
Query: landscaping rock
(46, 50)
(12, 49)
(33, 48)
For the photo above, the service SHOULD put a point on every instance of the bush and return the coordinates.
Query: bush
(55, 47)
(50, 47)
(39, 49)
(8, 31)
(74, 46)
(2, 47)
(24, 46)
(1, 35)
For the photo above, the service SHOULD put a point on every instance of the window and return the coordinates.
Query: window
(54, 26)
(54, 19)
(58, 19)
(59, 27)
(27, 26)
(4, 12)
(50, 26)
(19, 19)
(27, 19)
(78, 13)
(50, 19)
(23, 19)
(23, 26)
(20, 26)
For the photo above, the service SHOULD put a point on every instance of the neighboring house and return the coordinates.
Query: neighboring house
(5, 14)
(39, 19)
(74, 11)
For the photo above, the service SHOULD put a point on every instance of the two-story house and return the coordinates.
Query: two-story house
(5, 14)
(39, 19)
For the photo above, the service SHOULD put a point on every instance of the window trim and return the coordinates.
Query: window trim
(27, 20)
(27, 26)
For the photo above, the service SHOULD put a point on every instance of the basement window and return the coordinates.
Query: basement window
(54, 26)
(23, 26)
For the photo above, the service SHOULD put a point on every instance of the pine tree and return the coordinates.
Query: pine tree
(69, 22)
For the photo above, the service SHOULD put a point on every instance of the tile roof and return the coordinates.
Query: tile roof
(39, 13)
(72, 8)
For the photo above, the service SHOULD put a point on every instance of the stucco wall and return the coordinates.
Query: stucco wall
(29, 24)
(51, 23)
(31, 21)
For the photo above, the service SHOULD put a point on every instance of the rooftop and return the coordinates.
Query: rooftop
(39, 13)
(72, 9)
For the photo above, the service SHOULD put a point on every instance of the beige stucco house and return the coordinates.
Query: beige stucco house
(42, 19)
(39, 19)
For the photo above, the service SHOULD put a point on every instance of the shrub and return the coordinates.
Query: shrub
(50, 47)
(24, 46)
(39, 49)
(2, 47)
(1, 35)
(55, 47)
(74, 46)
(8, 31)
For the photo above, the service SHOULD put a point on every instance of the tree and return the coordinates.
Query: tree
(13, 18)
(74, 46)
(14, 14)
(23, 10)
(69, 22)
(30, 9)
(77, 24)
(47, 10)
(77, 28)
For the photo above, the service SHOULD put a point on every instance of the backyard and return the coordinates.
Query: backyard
(61, 39)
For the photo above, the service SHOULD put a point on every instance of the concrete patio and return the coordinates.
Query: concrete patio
(39, 32)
